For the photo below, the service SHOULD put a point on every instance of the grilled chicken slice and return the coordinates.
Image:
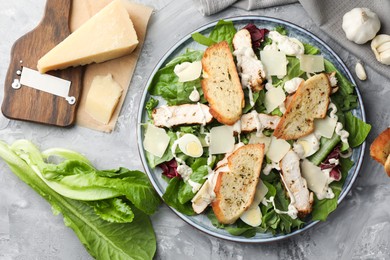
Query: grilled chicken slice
(253, 121)
(300, 196)
(249, 66)
(187, 114)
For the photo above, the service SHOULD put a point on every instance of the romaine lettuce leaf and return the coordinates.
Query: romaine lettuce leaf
(345, 98)
(166, 84)
(171, 197)
(310, 49)
(357, 129)
(150, 105)
(102, 239)
(223, 31)
(79, 180)
(272, 221)
(115, 210)
(200, 170)
(132, 184)
(237, 229)
(201, 39)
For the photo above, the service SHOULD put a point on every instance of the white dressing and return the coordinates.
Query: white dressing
(269, 166)
(339, 126)
(290, 46)
(194, 96)
(292, 85)
(185, 171)
(250, 68)
(204, 119)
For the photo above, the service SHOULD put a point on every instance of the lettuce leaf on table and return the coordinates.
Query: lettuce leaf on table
(102, 239)
(80, 180)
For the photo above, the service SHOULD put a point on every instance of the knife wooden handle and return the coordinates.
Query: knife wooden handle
(31, 104)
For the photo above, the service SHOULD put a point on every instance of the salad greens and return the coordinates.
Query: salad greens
(358, 130)
(223, 31)
(108, 210)
(179, 193)
(166, 84)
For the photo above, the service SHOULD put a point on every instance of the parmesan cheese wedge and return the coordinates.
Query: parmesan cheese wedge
(274, 98)
(275, 62)
(254, 139)
(277, 149)
(325, 127)
(107, 35)
(156, 140)
(188, 71)
(221, 139)
(102, 98)
(317, 181)
(312, 63)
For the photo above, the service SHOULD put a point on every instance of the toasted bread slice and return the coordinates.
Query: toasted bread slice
(310, 101)
(380, 149)
(221, 85)
(387, 165)
(236, 188)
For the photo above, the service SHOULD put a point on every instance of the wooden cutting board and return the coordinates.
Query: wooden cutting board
(34, 105)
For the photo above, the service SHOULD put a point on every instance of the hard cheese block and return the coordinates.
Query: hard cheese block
(103, 97)
(107, 35)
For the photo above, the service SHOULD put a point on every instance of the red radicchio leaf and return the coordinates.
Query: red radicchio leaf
(257, 35)
(169, 168)
(335, 172)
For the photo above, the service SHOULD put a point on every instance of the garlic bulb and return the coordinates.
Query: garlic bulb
(360, 25)
(380, 45)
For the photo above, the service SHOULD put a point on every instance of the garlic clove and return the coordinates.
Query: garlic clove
(380, 39)
(380, 45)
(385, 57)
(383, 47)
(360, 71)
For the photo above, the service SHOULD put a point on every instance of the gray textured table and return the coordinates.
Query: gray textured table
(359, 229)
